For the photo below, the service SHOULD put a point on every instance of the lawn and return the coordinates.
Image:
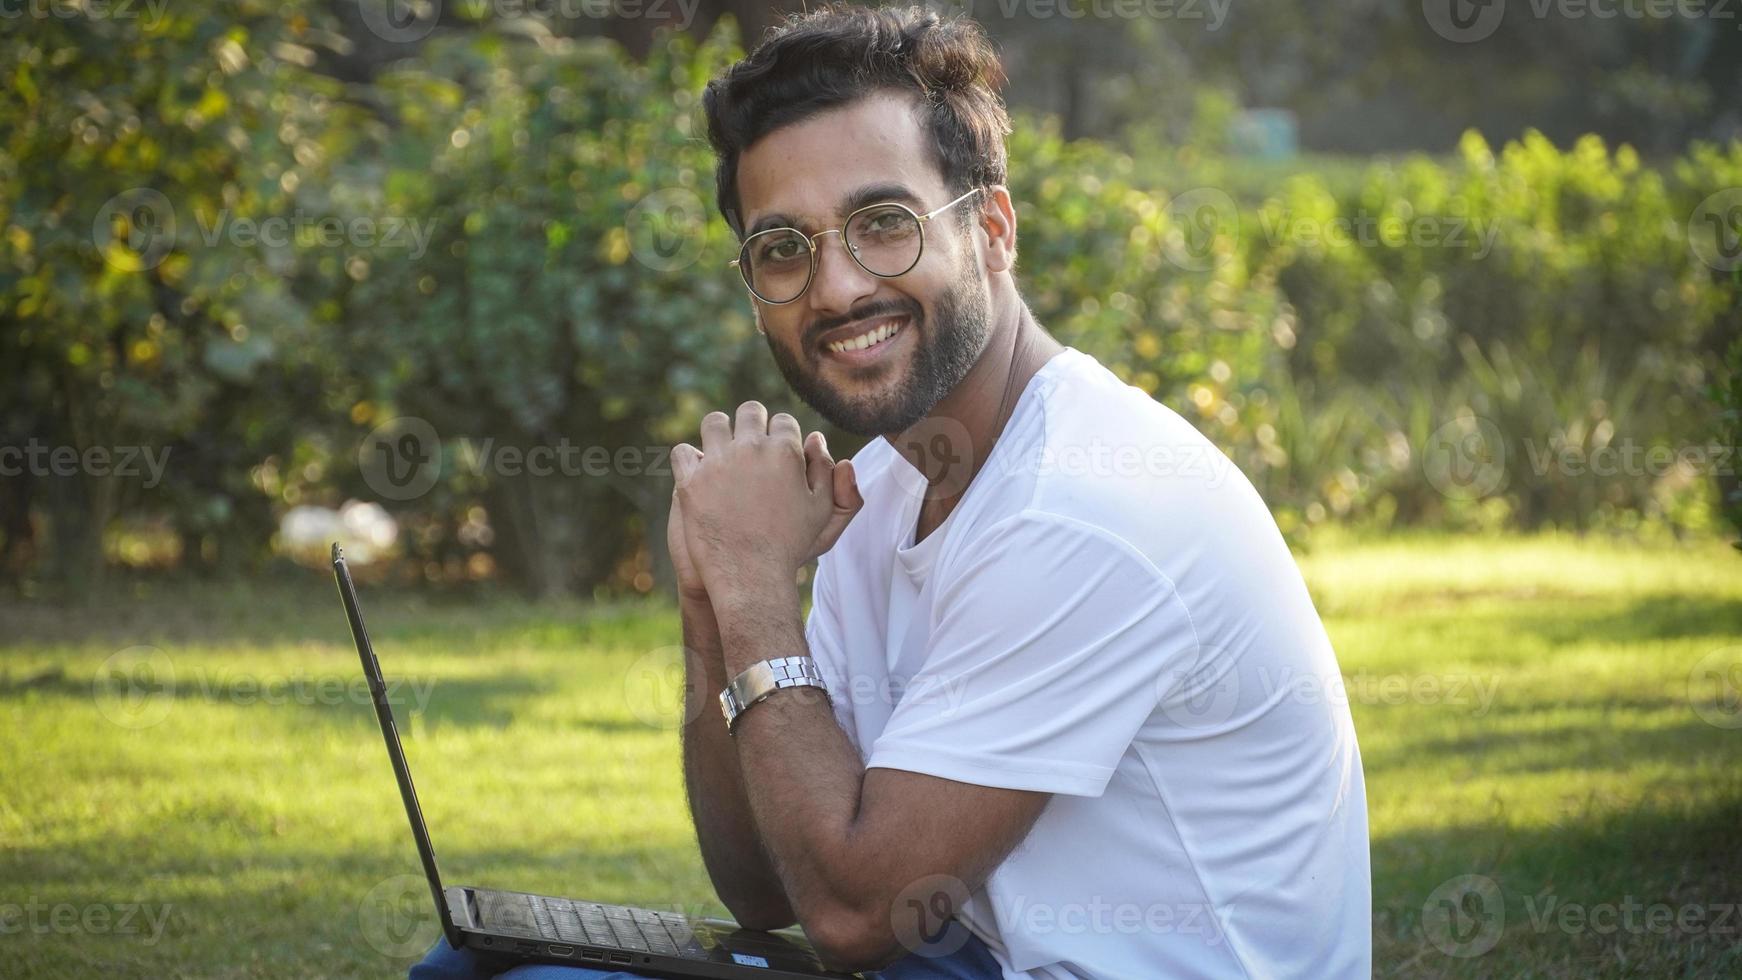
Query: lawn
(1540, 713)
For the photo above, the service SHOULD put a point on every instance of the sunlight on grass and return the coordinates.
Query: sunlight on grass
(1523, 707)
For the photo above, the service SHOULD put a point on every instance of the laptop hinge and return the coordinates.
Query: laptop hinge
(462, 907)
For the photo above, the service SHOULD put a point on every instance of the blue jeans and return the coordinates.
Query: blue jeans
(972, 962)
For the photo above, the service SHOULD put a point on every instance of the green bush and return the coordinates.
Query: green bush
(566, 283)
(1328, 334)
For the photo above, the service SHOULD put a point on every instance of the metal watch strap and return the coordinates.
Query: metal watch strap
(763, 678)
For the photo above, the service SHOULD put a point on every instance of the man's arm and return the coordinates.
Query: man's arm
(848, 845)
(731, 849)
(854, 847)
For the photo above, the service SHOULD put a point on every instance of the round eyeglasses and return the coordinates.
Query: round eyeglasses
(886, 240)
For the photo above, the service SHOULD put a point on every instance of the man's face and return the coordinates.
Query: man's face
(810, 176)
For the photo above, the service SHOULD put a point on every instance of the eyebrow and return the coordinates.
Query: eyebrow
(878, 193)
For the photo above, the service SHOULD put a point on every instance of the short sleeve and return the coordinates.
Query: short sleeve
(1050, 638)
(822, 636)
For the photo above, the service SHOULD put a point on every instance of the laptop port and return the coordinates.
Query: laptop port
(592, 955)
(620, 958)
(556, 950)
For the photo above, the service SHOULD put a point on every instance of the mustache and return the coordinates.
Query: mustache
(866, 312)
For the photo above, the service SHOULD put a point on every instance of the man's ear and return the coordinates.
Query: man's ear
(998, 221)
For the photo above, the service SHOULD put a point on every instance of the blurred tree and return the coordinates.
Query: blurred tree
(134, 147)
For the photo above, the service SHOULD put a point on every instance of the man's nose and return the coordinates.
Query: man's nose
(840, 281)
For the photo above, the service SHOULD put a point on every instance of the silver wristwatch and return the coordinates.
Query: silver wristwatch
(759, 680)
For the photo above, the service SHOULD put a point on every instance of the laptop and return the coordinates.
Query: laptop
(542, 928)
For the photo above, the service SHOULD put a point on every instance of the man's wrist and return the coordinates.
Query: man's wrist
(758, 622)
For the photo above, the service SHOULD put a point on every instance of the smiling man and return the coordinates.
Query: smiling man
(1085, 710)
(1062, 706)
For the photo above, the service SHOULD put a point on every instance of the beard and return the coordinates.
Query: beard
(947, 349)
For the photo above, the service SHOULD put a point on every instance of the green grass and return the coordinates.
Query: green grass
(1550, 745)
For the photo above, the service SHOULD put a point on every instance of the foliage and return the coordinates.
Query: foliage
(556, 276)
(1325, 333)
(575, 288)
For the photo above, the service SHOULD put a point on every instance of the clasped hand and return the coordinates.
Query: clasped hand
(757, 501)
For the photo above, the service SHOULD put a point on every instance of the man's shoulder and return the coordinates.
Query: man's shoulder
(1107, 454)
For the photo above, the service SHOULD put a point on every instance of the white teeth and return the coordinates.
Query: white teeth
(866, 339)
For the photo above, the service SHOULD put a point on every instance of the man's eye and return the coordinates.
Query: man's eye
(783, 250)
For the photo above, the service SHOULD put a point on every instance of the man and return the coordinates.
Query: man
(1081, 718)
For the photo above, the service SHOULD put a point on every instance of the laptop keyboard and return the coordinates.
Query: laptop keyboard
(642, 930)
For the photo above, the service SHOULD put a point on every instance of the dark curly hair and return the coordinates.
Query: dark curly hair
(839, 53)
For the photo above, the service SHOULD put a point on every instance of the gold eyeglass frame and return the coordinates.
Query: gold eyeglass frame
(811, 244)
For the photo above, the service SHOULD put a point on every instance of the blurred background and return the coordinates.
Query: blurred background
(1455, 284)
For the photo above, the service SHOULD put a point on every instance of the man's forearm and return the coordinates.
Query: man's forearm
(804, 776)
(740, 868)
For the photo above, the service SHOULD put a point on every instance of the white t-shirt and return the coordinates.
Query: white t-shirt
(1111, 616)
